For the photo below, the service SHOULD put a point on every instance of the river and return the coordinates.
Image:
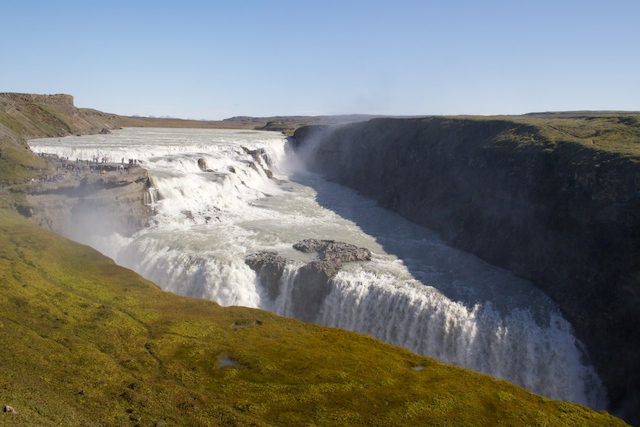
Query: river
(220, 195)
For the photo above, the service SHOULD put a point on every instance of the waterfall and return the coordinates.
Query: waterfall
(221, 195)
(513, 347)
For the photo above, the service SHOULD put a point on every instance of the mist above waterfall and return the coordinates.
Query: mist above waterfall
(415, 292)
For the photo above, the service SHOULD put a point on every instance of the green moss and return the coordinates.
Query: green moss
(609, 132)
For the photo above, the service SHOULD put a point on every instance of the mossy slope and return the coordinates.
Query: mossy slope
(85, 342)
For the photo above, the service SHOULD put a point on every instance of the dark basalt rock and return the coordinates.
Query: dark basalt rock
(269, 266)
(330, 250)
(202, 164)
(311, 287)
(312, 283)
(343, 252)
(258, 155)
(24, 210)
(261, 161)
(310, 245)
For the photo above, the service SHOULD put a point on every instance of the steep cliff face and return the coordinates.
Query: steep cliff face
(85, 204)
(551, 209)
(61, 100)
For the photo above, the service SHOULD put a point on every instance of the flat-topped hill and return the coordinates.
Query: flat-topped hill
(60, 100)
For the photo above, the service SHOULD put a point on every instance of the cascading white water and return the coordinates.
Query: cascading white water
(416, 292)
(511, 346)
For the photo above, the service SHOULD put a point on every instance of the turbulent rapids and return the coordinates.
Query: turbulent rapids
(220, 196)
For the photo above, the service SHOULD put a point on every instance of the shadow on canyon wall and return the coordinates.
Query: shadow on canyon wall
(557, 212)
(427, 257)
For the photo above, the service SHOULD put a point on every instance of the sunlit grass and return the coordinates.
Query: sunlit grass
(610, 132)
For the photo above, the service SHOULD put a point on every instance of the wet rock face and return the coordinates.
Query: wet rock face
(202, 164)
(310, 288)
(259, 155)
(269, 266)
(343, 252)
(312, 282)
(87, 204)
(310, 245)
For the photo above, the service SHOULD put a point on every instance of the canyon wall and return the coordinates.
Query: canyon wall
(83, 204)
(560, 213)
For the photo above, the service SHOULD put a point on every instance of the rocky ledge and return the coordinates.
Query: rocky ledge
(82, 199)
(312, 283)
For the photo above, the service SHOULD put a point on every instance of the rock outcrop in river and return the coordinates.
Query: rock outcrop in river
(548, 199)
(312, 281)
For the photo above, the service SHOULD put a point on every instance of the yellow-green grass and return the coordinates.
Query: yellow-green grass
(609, 132)
(86, 342)
(18, 164)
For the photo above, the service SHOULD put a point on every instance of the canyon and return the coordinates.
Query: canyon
(553, 207)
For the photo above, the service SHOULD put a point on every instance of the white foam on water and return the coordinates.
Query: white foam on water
(416, 292)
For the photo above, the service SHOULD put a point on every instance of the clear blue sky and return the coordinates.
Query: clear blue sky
(217, 59)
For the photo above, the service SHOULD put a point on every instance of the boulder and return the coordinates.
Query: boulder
(311, 245)
(343, 252)
(330, 250)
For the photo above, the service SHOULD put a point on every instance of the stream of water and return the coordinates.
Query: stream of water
(416, 292)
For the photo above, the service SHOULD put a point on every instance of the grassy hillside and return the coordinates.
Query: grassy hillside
(86, 342)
